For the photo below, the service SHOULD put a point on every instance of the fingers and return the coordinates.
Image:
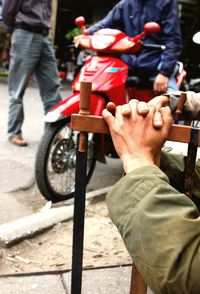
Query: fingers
(157, 120)
(109, 118)
(133, 108)
(126, 110)
(133, 103)
(111, 107)
(143, 108)
(159, 101)
(167, 119)
(129, 109)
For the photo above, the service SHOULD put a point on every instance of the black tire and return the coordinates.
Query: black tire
(56, 160)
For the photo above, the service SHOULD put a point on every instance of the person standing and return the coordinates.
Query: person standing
(28, 22)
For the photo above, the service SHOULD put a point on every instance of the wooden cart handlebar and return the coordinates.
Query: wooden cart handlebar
(96, 124)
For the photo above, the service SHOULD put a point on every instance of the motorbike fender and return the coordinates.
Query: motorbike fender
(70, 105)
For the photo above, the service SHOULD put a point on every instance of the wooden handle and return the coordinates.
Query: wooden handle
(96, 124)
(180, 106)
(85, 93)
(138, 285)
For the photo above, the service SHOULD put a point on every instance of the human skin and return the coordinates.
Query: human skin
(135, 138)
(160, 84)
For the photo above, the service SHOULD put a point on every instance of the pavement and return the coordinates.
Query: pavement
(19, 220)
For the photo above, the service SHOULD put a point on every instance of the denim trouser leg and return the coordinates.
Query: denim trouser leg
(30, 52)
(48, 77)
(22, 63)
(172, 86)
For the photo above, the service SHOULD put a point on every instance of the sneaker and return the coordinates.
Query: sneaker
(18, 141)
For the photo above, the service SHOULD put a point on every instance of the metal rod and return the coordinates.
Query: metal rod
(79, 216)
(79, 196)
(190, 161)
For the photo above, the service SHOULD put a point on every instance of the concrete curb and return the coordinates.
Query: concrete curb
(15, 231)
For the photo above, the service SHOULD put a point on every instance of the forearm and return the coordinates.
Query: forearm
(160, 228)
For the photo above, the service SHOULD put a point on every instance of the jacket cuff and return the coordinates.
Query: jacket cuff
(167, 74)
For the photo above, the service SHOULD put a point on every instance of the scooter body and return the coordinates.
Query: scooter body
(56, 155)
(108, 77)
(107, 73)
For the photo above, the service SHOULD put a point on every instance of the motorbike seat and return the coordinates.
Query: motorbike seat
(139, 82)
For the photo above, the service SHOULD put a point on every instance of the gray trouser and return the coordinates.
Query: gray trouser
(30, 52)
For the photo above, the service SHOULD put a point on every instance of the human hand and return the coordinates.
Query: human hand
(143, 109)
(77, 40)
(158, 102)
(160, 84)
(136, 140)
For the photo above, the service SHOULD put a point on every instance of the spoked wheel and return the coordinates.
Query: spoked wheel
(56, 161)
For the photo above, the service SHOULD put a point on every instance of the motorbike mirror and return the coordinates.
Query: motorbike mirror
(151, 28)
(80, 21)
(196, 38)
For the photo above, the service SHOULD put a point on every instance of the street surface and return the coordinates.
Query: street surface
(19, 195)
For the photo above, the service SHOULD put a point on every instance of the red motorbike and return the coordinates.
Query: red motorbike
(56, 155)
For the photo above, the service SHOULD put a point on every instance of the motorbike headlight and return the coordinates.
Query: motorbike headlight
(102, 42)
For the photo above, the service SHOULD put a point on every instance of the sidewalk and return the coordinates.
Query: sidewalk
(17, 218)
(114, 280)
(17, 175)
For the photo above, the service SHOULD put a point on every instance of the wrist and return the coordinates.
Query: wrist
(131, 163)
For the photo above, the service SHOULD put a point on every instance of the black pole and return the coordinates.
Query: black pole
(190, 161)
(80, 190)
(79, 215)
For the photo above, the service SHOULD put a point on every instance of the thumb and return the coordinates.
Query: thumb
(167, 120)
(109, 118)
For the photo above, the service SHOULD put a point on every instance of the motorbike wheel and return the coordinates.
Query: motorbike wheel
(56, 161)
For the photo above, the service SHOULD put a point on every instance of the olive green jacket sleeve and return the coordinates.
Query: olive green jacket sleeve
(160, 228)
(192, 104)
(173, 165)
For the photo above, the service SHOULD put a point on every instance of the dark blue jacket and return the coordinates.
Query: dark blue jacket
(130, 17)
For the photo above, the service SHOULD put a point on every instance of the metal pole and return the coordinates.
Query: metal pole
(79, 201)
(190, 161)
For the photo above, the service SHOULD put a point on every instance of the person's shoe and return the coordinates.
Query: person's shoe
(18, 141)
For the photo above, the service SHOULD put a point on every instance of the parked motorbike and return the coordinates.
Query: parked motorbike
(56, 155)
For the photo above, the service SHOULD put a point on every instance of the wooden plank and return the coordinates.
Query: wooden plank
(138, 285)
(96, 124)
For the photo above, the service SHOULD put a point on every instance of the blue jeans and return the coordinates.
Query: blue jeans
(172, 86)
(30, 52)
